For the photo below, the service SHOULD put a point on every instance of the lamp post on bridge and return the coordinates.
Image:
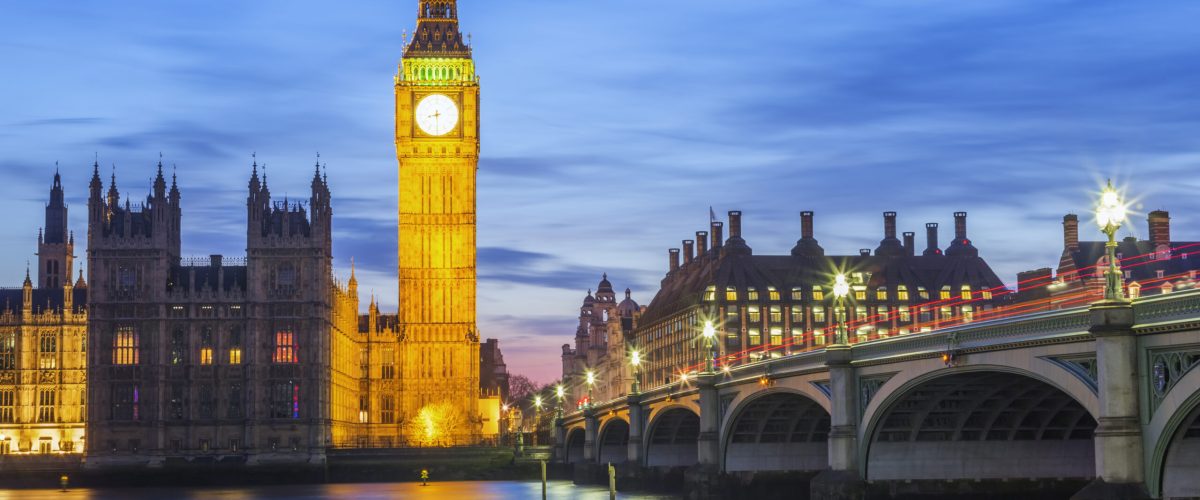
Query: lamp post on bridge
(635, 359)
(841, 288)
(1110, 213)
(709, 334)
(591, 380)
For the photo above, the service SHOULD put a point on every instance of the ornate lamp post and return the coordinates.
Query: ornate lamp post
(560, 394)
(1110, 213)
(537, 417)
(591, 380)
(841, 289)
(710, 334)
(635, 359)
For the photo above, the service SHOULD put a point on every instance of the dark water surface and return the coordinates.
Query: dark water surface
(481, 490)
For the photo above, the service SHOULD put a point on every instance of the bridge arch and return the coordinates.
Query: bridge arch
(977, 422)
(1174, 434)
(673, 437)
(574, 445)
(776, 430)
(612, 443)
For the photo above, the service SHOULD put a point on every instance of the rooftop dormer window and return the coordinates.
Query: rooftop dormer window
(751, 293)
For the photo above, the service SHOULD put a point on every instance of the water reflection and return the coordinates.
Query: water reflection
(474, 490)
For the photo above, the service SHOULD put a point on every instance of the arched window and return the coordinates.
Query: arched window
(125, 346)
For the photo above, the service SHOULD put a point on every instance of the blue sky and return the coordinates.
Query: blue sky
(610, 127)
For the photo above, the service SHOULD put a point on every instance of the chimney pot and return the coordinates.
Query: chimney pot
(718, 236)
(701, 243)
(910, 243)
(865, 252)
(735, 224)
(931, 235)
(806, 224)
(674, 259)
(889, 225)
(1160, 227)
(960, 226)
(688, 246)
(1071, 232)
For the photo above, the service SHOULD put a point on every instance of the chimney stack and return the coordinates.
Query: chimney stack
(701, 243)
(1160, 227)
(889, 225)
(806, 225)
(910, 248)
(735, 225)
(674, 254)
(931, 235)
(1071, 232)
(718, 234)
(865, 252)
(687, 251)
(960, 226)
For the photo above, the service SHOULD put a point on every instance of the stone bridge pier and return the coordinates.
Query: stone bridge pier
(1100, 402)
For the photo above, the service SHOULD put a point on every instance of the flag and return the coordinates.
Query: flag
(712, 216)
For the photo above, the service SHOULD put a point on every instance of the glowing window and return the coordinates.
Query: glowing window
(387, 365)
(235, 346)
(860, 313)
(818, 294)
(8, 351)
(755, 336)
(285, 347)
(8, 406)
(48, 351)
(730, 294)
(710, 293)
(797, 315)
(753, 315)
(922, 293)
(902, 293)
(797, 293)
(905, 314)
(945, 293)
(776, 336)
(125, 346)
(772, 293)
(751, 293)
(987, 294)
(860, 293)
(776, 314)
(818, 314)
(966, 292)
(881, 293)
(206, 346)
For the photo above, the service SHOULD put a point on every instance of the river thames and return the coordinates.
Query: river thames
(473, 490)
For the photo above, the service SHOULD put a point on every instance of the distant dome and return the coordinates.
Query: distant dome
(627, 307)
(605, 287)
(589, 300)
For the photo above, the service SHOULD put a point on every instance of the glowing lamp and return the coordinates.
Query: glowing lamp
(537, 401)
(1110, 213)
(591, 377)
(635, 358)
(841, 287)
(558, 391)
(709, 331)
(683, 377)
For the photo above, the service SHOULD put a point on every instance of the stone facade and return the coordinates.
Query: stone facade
(601, 346)
(43, 330)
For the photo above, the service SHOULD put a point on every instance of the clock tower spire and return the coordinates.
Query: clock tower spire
(437, 147)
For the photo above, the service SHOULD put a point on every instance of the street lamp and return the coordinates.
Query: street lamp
(591, 380)
(1110, 213)
(710, 334)
(560, 394)
(635, 359)
(841, 289)
(537, 417)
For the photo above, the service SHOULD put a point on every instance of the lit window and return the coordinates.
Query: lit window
(285, 347)
(881, 293)
(860, 293)
(905, 314)
(968, 313)
(819, 336)
(881, 314)
(818, 314)
(710, 293)
(776, 336)
(797, 315)
(776, 314)
(966, 292)
(206, 346)
(796, 293)
(860, 314)
(772, 293)
(857, 278)
(235, 346)
(8, 351)
(8, 406)
(751, 293)
(818, 294)
(902, 293)
(947, 313)
(48, 351)
(387, 365)
(125, 346)
(922, 293)
(755, 336)
(46, 406)
(730, 294)
(987, 294)
(945, 293)
(753, 315)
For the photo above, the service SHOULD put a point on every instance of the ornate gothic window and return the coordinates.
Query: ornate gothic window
(8, 406)
(8, 351)
(176, 405)
(285, 347)
(48, 351)
(387, 413)
(235, 346)
(206, 410)
(125, 346)
(46, 406)
(178, 354)
(206, 346)
(285, 399)
(126, 399)
(387, 365)
(234, 408)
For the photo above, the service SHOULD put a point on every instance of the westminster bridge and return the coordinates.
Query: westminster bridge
(1104, 396)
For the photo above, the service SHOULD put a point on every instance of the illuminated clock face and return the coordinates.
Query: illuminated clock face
(437, 115)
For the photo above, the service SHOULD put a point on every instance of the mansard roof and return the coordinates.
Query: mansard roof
(1185, 256)
(685, 288)
(44, 299)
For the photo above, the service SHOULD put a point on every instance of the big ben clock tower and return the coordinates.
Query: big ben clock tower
(437, 144)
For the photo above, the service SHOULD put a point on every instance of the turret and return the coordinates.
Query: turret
(56, 246)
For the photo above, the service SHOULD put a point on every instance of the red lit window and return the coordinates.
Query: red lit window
(285, 347)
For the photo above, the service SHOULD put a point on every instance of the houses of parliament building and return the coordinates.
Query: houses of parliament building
(156, 358)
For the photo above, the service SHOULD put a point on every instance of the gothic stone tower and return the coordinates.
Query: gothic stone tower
(56, 247)
(437, 144)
